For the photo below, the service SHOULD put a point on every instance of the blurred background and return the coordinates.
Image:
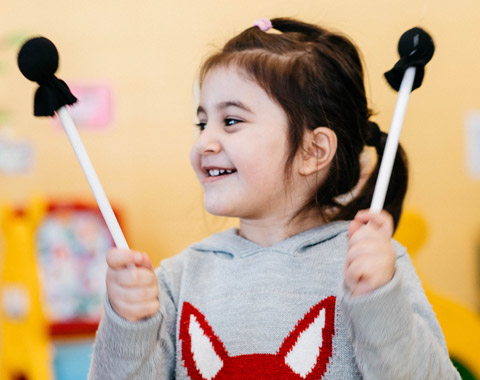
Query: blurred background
(132, 65)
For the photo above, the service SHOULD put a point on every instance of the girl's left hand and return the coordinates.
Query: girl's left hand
(370, 261)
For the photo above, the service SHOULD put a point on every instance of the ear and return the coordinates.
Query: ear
(203, 353)
(308, 348)
(318, 150)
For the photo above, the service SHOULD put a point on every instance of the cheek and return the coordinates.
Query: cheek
(263, 171)
(271, 158)
(195, 160)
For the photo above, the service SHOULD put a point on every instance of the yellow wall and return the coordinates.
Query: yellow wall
(149, 51)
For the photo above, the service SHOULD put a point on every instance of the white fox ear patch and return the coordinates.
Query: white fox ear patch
(303, 355)
(208, 362)
(308, 348)
(202, 351)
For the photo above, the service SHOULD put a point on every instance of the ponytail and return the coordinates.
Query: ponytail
(397, 186)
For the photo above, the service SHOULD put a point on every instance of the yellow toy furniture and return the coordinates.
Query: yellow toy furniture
(460, 325)
(25, 352)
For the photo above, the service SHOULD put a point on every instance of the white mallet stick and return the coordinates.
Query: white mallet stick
(92, 178)
(391, 145)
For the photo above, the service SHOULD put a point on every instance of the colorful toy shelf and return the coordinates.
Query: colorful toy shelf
(53, 285)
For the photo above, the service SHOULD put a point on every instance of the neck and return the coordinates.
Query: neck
(269, 232)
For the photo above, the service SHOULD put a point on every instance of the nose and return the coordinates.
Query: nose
(208, 141)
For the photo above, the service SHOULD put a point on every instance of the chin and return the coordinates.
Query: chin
(218, 211)
(215, 208)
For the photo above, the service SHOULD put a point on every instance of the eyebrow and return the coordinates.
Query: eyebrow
(223, 105)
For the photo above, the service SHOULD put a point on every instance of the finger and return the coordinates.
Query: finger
(132, 277)
(352, 273)
(363, 247)
(141, 259)
(377, 218)
(369, 282)
(146, 262)
(354, 226)
(368, 273)
(366, 232)
(382, 221)
(363, 216)
(136, 312)
(357, 275)
(360, 220)
(119, 258)
(142, 294)
(145, 277)
(133, 295)
(365, 225)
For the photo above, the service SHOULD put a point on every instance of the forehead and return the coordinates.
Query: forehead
(230, 83)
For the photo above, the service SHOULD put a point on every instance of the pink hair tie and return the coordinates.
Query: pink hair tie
(263, 24)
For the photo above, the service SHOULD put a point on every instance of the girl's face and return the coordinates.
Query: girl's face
(240, 153)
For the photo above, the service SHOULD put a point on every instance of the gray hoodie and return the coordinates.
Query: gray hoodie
(231, 309)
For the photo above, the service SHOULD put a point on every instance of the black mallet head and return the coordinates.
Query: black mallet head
(38, 61)
(416, 44)
(415, 48)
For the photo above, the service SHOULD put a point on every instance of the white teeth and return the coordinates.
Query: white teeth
(217, 172)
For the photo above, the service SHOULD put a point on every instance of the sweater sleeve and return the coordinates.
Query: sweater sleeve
(395, 332)
(125, 350)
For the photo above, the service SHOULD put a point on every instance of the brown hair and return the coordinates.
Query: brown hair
(316, 76)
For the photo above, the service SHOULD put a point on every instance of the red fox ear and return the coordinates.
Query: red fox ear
(308, 348)
(203, 353)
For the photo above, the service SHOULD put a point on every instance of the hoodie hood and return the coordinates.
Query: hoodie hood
(230, 243)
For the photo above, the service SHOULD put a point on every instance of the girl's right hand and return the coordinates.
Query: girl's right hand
(132, 285)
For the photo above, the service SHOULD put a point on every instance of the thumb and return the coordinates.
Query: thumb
(381, 221)
(354, 226)
(143, 260)
(120, 258)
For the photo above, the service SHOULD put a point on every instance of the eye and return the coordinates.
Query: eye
(201, 126)
(230, 121)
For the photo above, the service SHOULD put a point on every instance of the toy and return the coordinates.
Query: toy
(416, 49)
(72, 243)
(26, 349)
(38, 61)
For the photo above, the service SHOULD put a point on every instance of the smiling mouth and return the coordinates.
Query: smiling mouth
(219, 172)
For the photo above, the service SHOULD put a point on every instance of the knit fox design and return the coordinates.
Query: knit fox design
(303, 355)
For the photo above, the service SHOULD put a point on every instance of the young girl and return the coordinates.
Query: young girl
(297, 291)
